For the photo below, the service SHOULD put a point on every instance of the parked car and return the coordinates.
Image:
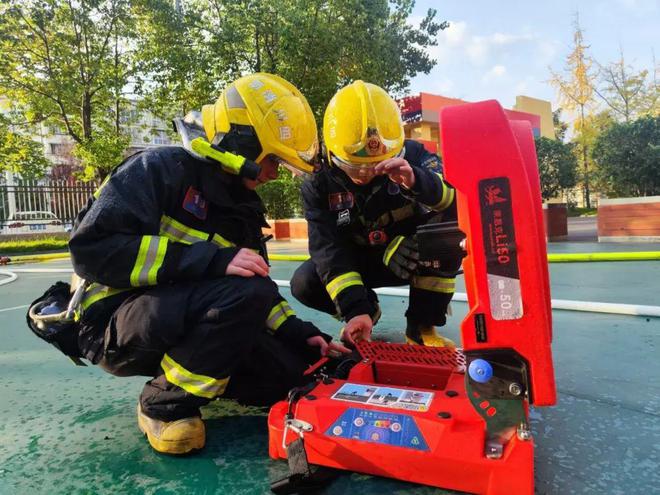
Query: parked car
(32, 222)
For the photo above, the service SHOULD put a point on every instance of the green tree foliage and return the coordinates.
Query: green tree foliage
(628, 93)
(557, 166)
(19, 153)
(67, 62)
(100, 155)
(560, 126)
(282, 197)
(188, 55)
(628, 157)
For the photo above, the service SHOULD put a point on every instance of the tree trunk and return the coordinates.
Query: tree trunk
(585, 164)
(87, 116)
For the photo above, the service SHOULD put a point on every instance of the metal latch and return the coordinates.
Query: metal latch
(296, 425)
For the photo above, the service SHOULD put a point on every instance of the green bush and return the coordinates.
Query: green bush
(282, 197)
(33, 246)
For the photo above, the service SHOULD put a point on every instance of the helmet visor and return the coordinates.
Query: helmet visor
(296, 171)
(360, 171)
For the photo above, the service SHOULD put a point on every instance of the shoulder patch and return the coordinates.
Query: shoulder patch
(195, 203)
(433, 163)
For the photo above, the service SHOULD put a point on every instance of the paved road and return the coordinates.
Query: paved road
(583, 229)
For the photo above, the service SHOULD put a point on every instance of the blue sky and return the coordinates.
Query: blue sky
(499, 49)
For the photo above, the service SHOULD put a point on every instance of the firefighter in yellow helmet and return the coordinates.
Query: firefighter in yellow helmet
(363, 208)
(177, 280)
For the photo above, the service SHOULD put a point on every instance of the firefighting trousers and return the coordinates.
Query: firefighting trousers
(200, 341)
(429, 294)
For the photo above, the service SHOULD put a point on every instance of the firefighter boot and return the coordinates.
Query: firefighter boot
(172, 437)
(417, 334)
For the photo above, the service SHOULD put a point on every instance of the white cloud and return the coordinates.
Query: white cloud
(477, 49)
(455, 34)
(507, 38)
(495, 72)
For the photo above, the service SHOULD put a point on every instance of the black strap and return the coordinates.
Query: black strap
(302, 478)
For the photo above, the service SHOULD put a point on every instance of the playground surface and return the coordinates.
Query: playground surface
(71, 430)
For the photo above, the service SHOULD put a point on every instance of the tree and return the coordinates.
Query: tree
(628, 157)
(20, 154)
(282, 197)
(557, 166)
(626, 92)
(576, 94)
(188, 54)
(67, 62)
(560, 126)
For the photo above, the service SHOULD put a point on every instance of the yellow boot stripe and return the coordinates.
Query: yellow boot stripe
(338, 284)
(199, 385)
(434, 284)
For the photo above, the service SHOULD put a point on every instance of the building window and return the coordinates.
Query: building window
(162, 138)
(60, 148)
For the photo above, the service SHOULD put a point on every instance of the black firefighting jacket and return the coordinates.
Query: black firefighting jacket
(162, 217)
(347, 221)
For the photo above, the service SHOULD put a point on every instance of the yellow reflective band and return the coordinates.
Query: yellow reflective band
(448, 194)
(342, 282)
(97, 193)
(178, 232)
(221, 241)
(149, 260)
(391, 249)
(394, 216)
(95, 292)
(199, 385)
(278, 315)
(434, 284)
(152, 275)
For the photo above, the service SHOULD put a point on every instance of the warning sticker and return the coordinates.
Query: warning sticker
(395, 398)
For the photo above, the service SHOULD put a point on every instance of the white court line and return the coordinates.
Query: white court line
(14, 308)
(11, 276)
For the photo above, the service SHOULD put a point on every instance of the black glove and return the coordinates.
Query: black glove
(401, 256)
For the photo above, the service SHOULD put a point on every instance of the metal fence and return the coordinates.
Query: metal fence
(30, 206)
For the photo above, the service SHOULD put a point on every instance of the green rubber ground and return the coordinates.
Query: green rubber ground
(69, 430)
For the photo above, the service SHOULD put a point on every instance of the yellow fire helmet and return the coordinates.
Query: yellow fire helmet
(361, 128)
(277, 112)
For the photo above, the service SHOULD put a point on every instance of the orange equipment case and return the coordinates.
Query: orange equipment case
(436, 416)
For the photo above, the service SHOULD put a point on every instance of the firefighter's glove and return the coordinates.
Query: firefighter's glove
(401, 256)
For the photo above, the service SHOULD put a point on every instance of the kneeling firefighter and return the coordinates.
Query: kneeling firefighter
(363, 209)
(175, 267)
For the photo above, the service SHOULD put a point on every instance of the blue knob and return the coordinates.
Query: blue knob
(480, 370)
(51, 309)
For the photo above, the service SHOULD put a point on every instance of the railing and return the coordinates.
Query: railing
(42, 203)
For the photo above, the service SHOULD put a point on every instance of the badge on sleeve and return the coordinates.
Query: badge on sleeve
(195, 203)
(340, 201)
(344, 218)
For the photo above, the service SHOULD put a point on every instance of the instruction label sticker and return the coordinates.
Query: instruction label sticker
(395, 398)
(366, 425)
(500, 249)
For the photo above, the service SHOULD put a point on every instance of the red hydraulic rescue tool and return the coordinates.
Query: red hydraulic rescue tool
(455, 419)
